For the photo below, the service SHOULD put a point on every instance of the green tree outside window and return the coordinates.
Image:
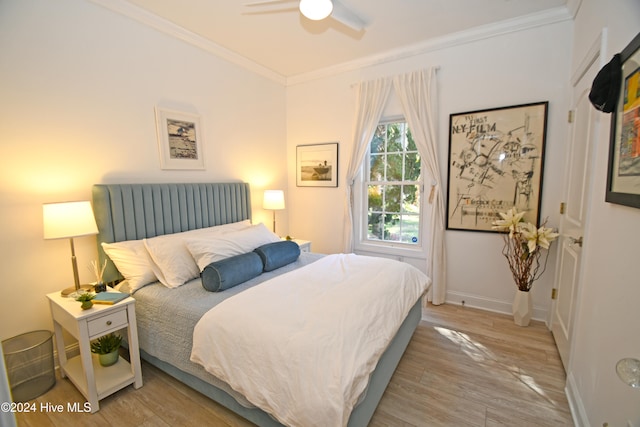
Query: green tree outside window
(393, 186)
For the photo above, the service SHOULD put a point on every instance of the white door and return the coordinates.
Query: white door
(577, 189)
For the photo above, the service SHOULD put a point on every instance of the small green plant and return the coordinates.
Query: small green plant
(85, 299)
(86, 296)
(106, 344)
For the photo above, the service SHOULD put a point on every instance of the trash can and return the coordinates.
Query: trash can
(29, 362)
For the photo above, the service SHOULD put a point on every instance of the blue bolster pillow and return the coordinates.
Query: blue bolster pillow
(229, 272)
(278, 254)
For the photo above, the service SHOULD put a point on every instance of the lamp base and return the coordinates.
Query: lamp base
(68, 292)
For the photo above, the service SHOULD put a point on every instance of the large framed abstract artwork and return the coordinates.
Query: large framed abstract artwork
(623, 178)
(496, 160)
(179, 139)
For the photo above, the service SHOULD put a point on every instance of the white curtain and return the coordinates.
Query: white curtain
(417, 94)
(371, 98)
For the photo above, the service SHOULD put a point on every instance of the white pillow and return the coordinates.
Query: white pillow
(132, 261)
(208, 250)
(172, 262)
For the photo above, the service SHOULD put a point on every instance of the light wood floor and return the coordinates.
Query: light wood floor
(463, 367)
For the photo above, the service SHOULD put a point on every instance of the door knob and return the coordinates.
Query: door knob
(575, 241)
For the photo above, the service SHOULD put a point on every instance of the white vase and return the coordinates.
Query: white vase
(522, 308)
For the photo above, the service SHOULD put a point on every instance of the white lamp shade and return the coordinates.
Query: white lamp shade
(316, 9)
(70, 219)
(273, 200)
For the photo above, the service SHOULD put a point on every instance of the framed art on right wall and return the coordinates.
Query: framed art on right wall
(623, 176)
(496, 159)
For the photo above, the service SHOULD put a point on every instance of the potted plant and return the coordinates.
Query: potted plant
(106, 347)
(85, 298)
(523, 247)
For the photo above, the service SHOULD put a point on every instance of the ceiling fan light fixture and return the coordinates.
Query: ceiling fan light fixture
(316, 9)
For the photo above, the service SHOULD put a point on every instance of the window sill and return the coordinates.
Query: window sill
(397, 250)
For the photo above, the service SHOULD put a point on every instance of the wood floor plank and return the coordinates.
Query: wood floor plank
(463, 367)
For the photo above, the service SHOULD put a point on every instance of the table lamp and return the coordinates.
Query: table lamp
(273, 200)
(69, 220)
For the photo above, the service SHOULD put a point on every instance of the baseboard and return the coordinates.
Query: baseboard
(489, 304)
(71, 350)
(575, 403)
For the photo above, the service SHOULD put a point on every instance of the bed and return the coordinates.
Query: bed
(132, 213)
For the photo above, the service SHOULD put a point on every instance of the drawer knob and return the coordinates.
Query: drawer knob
(108, 322)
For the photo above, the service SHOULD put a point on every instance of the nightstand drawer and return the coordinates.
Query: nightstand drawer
(101, 324)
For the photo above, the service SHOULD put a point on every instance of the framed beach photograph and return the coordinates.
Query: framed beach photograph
(496, 160)
(317, 165)
(179, 139)
(623, 177)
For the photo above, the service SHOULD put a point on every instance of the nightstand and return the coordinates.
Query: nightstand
(95, 382)
(305, 245)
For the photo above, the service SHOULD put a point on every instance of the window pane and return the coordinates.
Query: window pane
(410, 231)
(395, 137)
(375, 226)
(377, 143)
(411, 199)
(375, 198)
(392, 198)
(394, 167)
(392, 227)
(376, 167)
(412, 167)
(411, 146)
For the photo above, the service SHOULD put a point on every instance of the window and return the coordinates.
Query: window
(393, 187)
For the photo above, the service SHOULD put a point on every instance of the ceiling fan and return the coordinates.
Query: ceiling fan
(320, 9)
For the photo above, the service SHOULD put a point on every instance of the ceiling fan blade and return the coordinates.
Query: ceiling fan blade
(346, 16)
(267, 2)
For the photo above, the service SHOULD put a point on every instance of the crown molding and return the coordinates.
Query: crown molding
(547, 17)
(573, 6)
(534, 20)
(149, 19)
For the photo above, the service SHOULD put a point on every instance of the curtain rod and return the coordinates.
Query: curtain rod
(435, 67)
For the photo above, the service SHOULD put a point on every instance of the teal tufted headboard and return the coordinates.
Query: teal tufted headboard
(138, 211)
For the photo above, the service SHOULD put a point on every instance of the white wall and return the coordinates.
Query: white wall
(522, 67)
(609, 320)
(79, 86)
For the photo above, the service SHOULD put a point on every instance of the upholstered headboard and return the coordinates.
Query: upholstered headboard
(138, 211)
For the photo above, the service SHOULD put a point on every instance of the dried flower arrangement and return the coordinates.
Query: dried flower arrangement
(523, 247)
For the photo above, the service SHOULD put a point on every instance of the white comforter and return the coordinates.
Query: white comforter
(301, 346)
